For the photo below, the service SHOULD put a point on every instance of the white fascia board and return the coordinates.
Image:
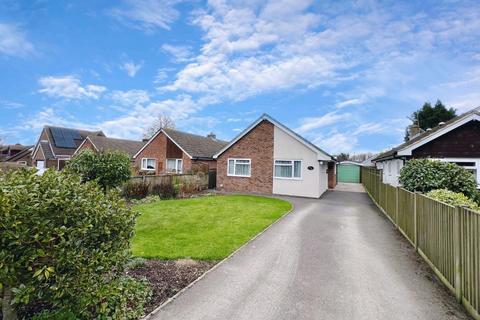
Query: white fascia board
(408, 150)
(321, 156)
(83, 142)
(175, 142)
(154, 136)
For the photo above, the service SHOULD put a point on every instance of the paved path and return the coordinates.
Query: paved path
(333, 258)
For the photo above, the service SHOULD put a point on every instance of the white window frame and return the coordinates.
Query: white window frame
(145, 168)
(177, 161)
(292, 164)
(234, 167)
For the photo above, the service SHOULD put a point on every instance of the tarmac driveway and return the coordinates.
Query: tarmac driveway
(333, 258)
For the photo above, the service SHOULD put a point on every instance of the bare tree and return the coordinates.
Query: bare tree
(162, 121)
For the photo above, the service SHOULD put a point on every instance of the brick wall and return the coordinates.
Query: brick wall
(257, 145)
(86, 146)
(160, 149)
(332, 176)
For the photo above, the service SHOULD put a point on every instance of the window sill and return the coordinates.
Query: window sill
(294, 179)
(237, 176)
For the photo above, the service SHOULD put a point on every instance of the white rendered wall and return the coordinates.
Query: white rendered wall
(313, 182)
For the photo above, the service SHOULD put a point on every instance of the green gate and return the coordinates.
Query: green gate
(348, 173)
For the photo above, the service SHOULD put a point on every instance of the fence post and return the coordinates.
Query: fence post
(415, 221)
(396, 206)
(457, 252)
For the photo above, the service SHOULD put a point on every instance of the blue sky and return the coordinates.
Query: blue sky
(343, 74)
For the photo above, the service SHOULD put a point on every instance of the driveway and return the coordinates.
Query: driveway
(333, 258)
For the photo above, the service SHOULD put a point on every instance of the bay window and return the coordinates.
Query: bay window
(288, 169)
(239, 167)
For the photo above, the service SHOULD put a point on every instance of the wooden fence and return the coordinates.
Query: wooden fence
(447, 237)
(172, 179)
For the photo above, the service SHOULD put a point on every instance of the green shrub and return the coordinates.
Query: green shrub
(135, 190)
(164, 191)
(147, 199)
(110, 169)
(135, 262)
(425, 175)
(55, 315)
(61, 239)
(121, 298)
(453, 198)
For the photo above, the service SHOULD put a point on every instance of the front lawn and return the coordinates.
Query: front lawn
(205, 228)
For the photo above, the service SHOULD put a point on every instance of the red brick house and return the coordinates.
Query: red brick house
(457, 141)
(17, 154)
(101, 144)
(269, 158)
(173, 151)
(56, 146)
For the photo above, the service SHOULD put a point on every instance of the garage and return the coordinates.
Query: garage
(348, 171)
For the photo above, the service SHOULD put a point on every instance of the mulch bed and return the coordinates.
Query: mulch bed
(167, 277)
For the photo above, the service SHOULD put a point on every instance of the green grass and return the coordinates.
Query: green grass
(206, 228)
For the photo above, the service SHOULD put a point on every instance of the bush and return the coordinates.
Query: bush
(425, 175)
(55, 315)
(110, 169)
(61, 239)
(135, 190)
(121, 298)
(164, 191)
(146, 200)
(453, 198)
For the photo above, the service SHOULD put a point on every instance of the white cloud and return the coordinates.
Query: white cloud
(130, 98)
(349, 102)
(11, 104)
(13, 41)
(179, 53)
(337, 142)
(131, 68)
(370, 128)
(311, 123)
(69, 87)
(147, 15)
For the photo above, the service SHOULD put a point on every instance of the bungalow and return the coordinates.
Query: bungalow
(101, 144)
(173, 151)
(10, 150)
(457, 141)
(23, 157)
(56, 146)
(269, 158)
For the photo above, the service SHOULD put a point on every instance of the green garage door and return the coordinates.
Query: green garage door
(348, 173)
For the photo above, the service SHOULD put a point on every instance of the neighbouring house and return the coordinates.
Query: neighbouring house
(173, 151)
(457, 141)
(56, 146)
(10, 150)
(101, 144)
(23, 157)
(269, 158)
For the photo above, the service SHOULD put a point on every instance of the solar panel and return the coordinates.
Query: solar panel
(64, 138)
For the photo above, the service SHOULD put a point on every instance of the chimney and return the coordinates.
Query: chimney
(212, 136)
(413, 131)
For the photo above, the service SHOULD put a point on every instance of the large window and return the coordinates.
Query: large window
(239, 167)
(148, 164)
(288, 169)
(175, 165)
